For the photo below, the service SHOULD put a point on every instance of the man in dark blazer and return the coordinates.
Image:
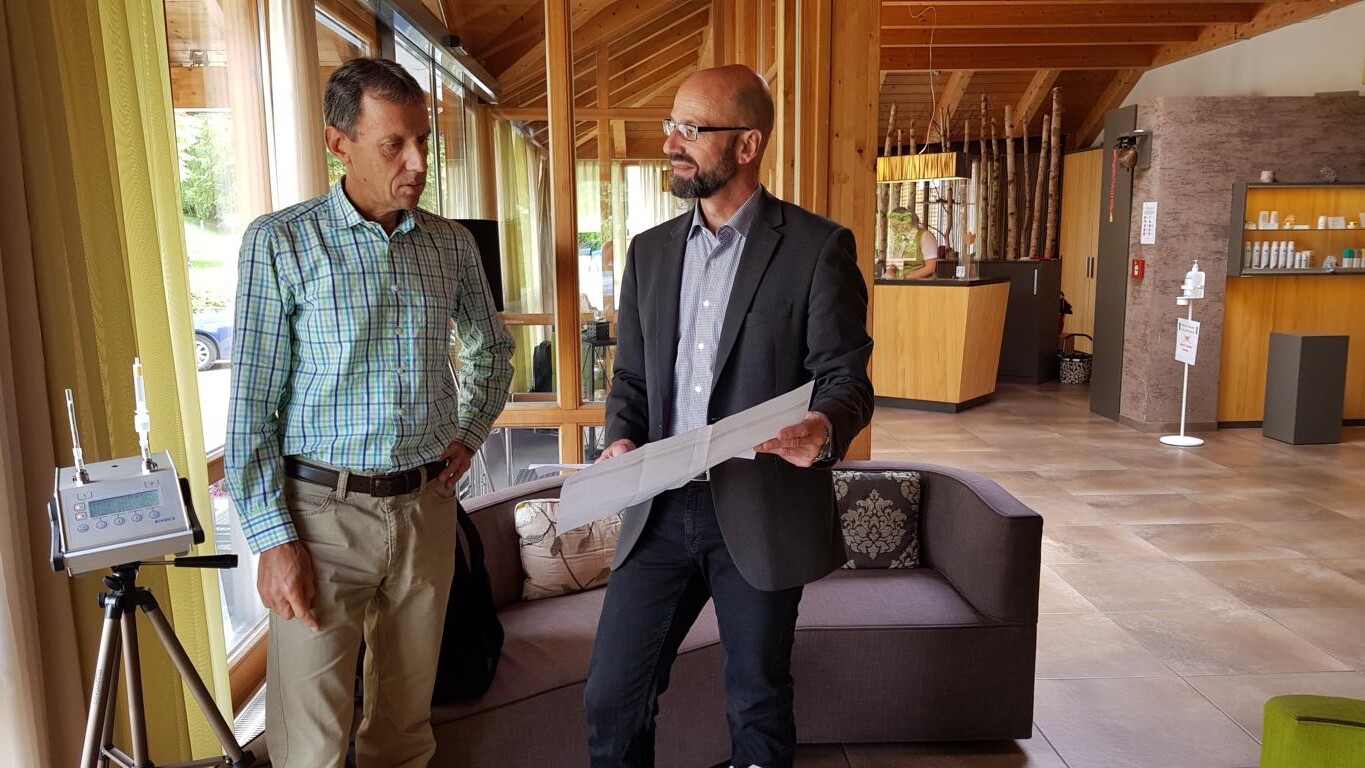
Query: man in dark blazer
(743, 299)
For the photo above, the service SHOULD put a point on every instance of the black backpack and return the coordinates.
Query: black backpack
(472, 643)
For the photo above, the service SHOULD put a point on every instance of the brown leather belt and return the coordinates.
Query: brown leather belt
(395, 484)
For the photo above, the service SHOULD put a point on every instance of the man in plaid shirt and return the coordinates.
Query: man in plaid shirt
(347, 430)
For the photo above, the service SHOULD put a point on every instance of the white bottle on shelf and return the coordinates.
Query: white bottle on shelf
(1258, 256)
(1293, 257)
(1248, 256)
(1276, 255)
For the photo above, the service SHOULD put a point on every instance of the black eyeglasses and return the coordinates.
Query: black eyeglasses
(690, 131)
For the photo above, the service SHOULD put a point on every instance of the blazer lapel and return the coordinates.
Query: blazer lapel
(759, 247)
(666, 298)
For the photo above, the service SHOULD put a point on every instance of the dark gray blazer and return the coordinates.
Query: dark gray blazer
(797, 312)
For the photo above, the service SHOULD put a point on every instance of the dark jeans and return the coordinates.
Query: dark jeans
(680, 562)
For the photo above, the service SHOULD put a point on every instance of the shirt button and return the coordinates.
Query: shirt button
(706, 303)
(697, 388)
(394, 287)
(702, 345)
(401, 413)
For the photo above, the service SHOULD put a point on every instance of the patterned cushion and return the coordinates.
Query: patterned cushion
(879, 512)
(562, 563)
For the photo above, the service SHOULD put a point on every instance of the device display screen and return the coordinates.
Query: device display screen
(120, 504)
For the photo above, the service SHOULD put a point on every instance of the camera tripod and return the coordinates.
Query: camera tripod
(118, 642)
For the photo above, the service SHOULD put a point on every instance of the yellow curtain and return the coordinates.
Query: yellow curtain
(519, 213)
(110, 271)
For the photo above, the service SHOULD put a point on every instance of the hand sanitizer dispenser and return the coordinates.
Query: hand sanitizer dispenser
(1193, 287)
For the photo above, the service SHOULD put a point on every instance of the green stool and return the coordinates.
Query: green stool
(1313, 732)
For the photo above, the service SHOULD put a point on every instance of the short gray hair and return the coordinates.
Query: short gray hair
(382, 78)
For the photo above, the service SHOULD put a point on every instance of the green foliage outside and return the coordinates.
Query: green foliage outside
(205, 168)
(591, 239)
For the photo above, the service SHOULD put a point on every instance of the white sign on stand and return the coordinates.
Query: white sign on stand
(1147, 234)
(1186, 340)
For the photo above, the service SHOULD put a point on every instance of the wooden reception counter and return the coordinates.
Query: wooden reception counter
(936, 343)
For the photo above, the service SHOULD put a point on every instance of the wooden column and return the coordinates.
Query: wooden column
(852, 138)
(563, 214)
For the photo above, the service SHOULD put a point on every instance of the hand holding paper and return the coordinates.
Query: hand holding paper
(634, 476)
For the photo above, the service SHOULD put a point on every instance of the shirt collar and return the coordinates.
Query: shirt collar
(741, 222)
(345, 216)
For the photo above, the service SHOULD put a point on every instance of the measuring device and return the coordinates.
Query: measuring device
(125, 514)
(113, 512)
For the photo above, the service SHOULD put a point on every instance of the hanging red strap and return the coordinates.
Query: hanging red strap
(1113, 181)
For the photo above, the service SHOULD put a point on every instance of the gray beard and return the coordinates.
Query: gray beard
(705, 183)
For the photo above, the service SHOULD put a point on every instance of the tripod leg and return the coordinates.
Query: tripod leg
(105, 670)
(195, 683)
(111, 695)
(132, 675)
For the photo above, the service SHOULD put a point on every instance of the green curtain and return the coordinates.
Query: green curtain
(101, 183)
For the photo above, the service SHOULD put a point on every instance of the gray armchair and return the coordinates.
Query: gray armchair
(940, 652)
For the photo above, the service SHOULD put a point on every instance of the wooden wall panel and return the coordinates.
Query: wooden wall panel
(1082, 180)
(1311, 303)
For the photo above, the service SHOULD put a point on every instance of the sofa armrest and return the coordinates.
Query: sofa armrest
(493, 515)
(983, 540)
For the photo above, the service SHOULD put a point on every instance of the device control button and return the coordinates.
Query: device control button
(79, 507)
(154, 514)
(81, 515)
(102, 524)
(83, 527)
(84, 494)
(137, 518)
(118, 521)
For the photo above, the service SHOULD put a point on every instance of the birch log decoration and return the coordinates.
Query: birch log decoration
(1026, 213)
(997, 193)
(1034, 242)
(983, 191)
(884, 191)
(896, 187)
(1054, 175)
(1011, 210)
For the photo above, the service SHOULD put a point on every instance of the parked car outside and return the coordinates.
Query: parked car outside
(212, 339)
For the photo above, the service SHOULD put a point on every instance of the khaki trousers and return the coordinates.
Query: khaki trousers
(383, 568)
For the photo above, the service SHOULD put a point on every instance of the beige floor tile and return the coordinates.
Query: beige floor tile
(1341, 539)
(1269, 584)
(1338, 631)
(1025, 483)
(1075, 645)
(1057, 596)
(1243, 697)
(1223, 541)
(1353, 567)
(1064, 509)
(1154, 586)
(1350, 503)
(1155, 509)
(1106, 482)
(1225, 643)
(1139, 723)
(1252, 503)
(1162, 459)
(817, 756)
(1096, 544)
(1027, 753)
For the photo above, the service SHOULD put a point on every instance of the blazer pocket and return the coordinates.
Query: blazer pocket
(769, 314)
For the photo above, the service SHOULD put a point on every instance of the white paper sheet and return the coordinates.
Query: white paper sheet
(622, 481)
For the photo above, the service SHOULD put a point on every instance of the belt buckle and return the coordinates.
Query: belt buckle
(704, 477)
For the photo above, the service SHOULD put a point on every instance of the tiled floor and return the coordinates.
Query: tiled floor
(1180, 588)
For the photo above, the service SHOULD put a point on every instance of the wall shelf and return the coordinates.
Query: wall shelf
(1305, 202)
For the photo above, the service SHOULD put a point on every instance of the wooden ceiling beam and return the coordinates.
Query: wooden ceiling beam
(948, 100)
(1020, 58)
(1088, 14)
(537, 114)
(1038, 89)
(617, 19)
(668, 84)
(685, 21)
(651, 65)
(1114, 94)
(1053, 35)
(1271, 16)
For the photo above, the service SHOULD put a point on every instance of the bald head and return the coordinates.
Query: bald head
(738, 93)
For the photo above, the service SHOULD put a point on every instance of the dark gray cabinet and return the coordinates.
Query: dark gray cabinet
(1032, 321)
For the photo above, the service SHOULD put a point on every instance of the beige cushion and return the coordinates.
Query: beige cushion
(562, 563)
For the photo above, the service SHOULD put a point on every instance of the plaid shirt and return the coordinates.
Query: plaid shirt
(342, 351)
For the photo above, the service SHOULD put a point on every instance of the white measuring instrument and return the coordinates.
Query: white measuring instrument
(123, 510)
